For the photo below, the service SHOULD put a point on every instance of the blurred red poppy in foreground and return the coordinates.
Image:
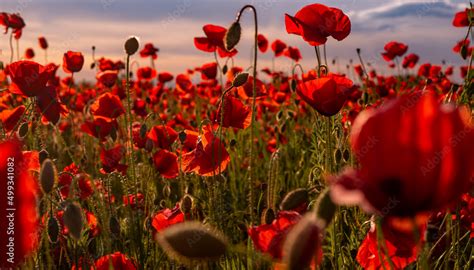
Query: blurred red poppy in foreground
(18, 193)
(327, 95)
(269, 238)
(11, 117)
(73, 62)
(316, 22)
(415, 156)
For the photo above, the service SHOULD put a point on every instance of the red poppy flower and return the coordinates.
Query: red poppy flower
(394, 49)
(208, 158)
(401, 247)
(166, 163)
(135, 201)
(111, 159)
(50, 106)
(107, 78)
(28, 78)
(269, 238)
(236, 114)
(358, 69)
(278, 47)
(11, 117)
(414, 155)
(146, 73)
(327, 95)
(43, 43)
(424, 70)
(460, 44)
(29, 53)
(166, 218)
(100, 127)
(191, 140)
(184, 83)
(461, 19)
(213, 41)
(113, 261)
(293, 53)
(209, 71)
(149, 51)
(73, 62)
(24, 220)
(162, 136)
(246, 91)
(107, 64)
(13, 21)
(314, 23)
(410, 61)
(164, 77)
(107, 105)
(262, 43)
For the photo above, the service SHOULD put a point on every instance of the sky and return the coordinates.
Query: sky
(171, 26)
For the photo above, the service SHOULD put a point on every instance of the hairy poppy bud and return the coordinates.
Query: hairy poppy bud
(53, 230)
(232, 36)
(131, 45)
(294, 199)
(23, 130)
(325, 208)
(73, 220)
(240, 79)
(43, 155)
(192, 241)
(48, 176)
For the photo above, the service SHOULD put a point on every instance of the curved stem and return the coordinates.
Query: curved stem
(11, 48)
(318, 56)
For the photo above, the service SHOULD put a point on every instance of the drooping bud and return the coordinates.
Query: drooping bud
(48, 176)
(240, 79)
(325, 207)
(73, 220)
(294, 199)
(232, 36)
(131, 45)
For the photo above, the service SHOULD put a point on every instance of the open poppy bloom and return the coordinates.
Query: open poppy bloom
(162, 136)
(262, 43)
(111, 159)
(11, 117)
(164, 77)
(278, 47)
(461, 19)
(394, 49)
(107, 105)
(13, 21)
(236, 114)
(23, 199)
(401, 247)
(293, 53)
(209, 158)
(166, 163)
(316, 22)
(410, 61)
(149, 51)
(246, 91)
(269, 238)
(166, 218)
(50, 106)
(213, 41)
(100, 127)
(415, 156)
(73, 62)
(327, 95)
(107, 78)
(209, 71)
(29, 78)
(146, 73)
(116, 260)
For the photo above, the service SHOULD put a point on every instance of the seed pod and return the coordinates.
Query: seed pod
(53, 230)
(186, 204)
(268, 216)
(131, 45)
(191, 242)
(43, 155)
(73, 220)
(232, 36)
(294, 199)
(240, 79)
(325, 208)
(48, 176)
(303, 243)
(114, 226)
(23, 130)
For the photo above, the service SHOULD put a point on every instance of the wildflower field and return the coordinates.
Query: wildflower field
(237, 167)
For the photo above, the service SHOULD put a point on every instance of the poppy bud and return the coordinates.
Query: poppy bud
(186, 204)
(346, 155)
(294, 83)
(48, 176)
(43, 43)
(232, 36)
(240, 79)
(143, 130)
(232, 143)
(114, 226)
(23, 130)
(182, 136)
(43, 155)
(93, 65)
(464, 51)
(303, 243)
(338, 155)
(325, 208)
(163, 204)
(225, 69)
(294, 199)
(53, 230)
(192, 241)
(73, 220)
(268, 216)
(131, 45)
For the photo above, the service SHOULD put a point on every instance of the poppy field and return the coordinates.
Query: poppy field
(237, 167)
